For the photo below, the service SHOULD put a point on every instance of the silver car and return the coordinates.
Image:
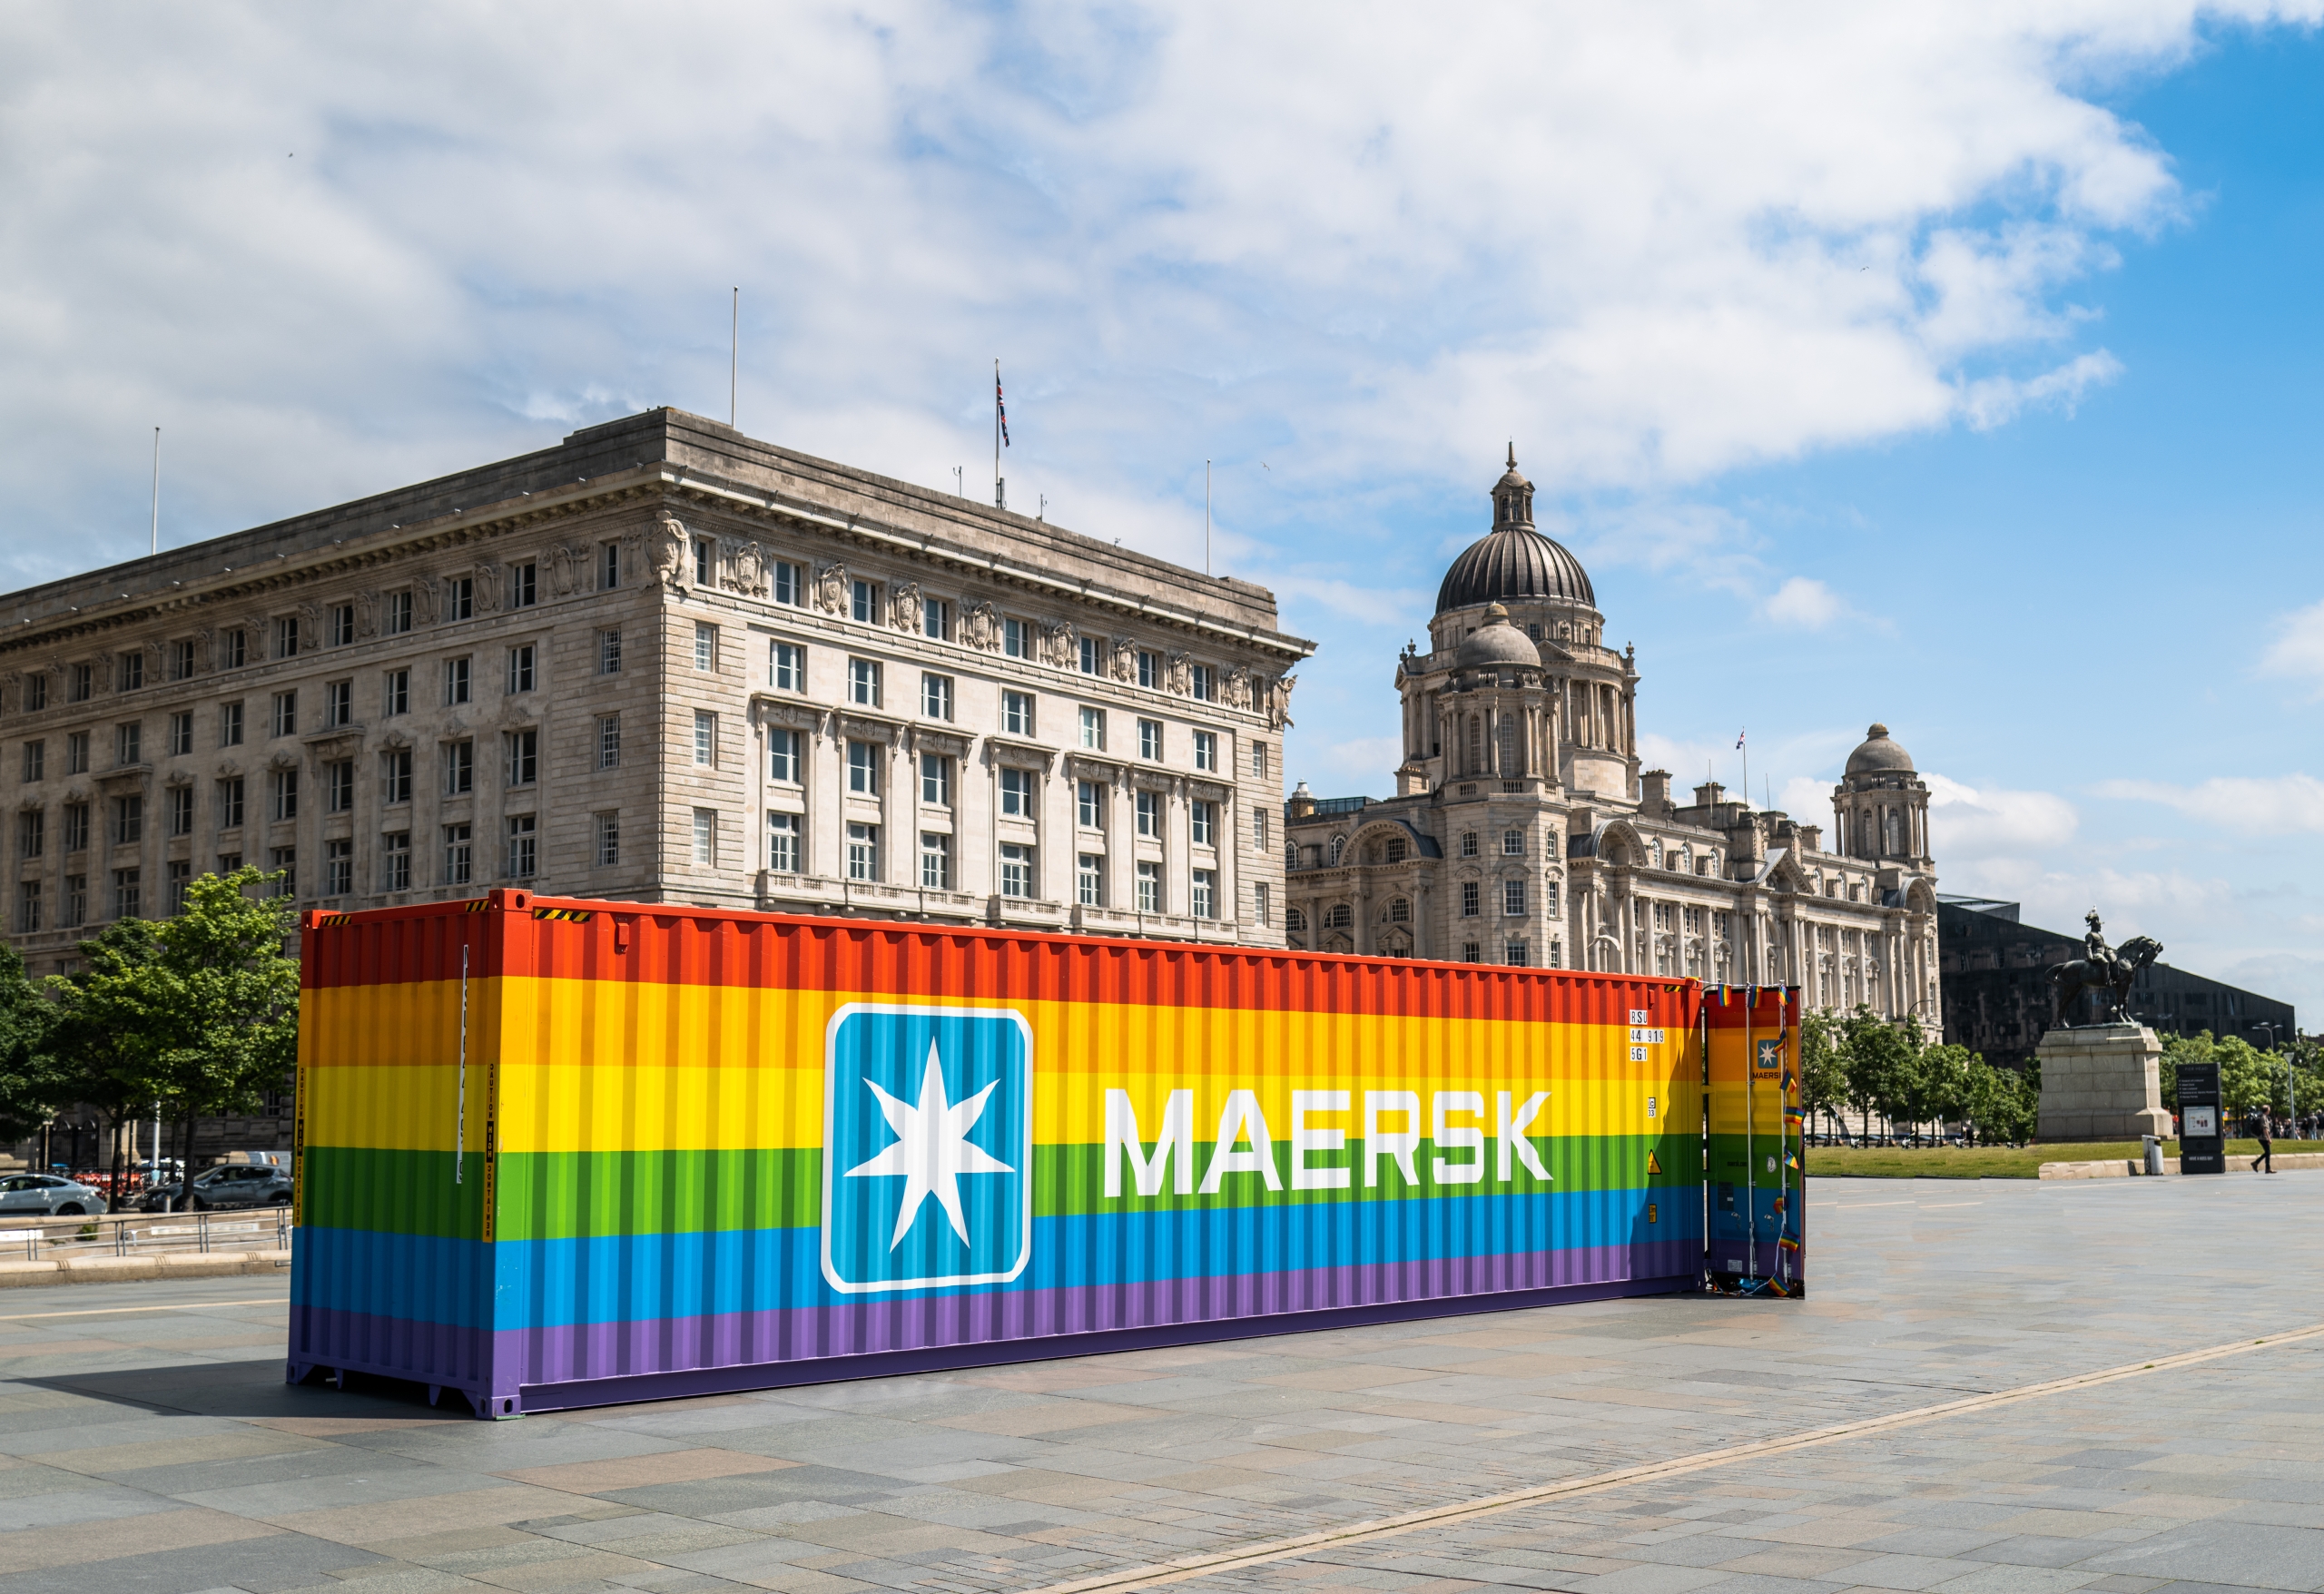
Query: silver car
(242, 1185)
(45, 1196)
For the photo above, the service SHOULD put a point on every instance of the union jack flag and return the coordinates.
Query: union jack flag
(999, 407)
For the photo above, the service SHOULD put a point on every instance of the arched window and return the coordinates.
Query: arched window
(1339, 844)
(1339, 916)
(1294, 920)
(1291, 854)
(1511, 765)
(1400, 910)
(1396, 849)
(1476, 743)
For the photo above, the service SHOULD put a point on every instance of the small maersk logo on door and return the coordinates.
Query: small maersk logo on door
(928, 1148)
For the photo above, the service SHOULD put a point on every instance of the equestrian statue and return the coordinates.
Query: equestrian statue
(2102, 969)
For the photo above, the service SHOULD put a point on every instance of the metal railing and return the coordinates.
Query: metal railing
(144, 1234)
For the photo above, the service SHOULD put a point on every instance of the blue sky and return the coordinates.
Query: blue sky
(1954, 366)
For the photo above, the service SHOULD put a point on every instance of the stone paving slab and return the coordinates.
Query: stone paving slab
(118, 1422)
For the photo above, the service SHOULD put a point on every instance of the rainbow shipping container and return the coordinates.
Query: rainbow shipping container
(557, 1153)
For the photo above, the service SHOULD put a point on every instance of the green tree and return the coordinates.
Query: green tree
(32, 1083)
(1943, 1086)
(2002, 1106)
(1823, 1072)
(1883, 1062)
(104, 1063)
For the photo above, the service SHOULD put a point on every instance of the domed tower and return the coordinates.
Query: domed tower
(1515, 591)
(1880, 807)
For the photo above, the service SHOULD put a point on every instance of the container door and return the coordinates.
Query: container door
(1755, 1173)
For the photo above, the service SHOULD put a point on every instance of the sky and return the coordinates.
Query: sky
(1949, 365)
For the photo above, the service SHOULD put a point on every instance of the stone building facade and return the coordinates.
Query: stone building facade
(660, 662)
(1525, 829)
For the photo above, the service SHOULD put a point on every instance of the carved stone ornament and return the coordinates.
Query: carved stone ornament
(427, 599)
(567, 564)
(746, 566)
(792, 716)
(905, 609)
(831, 589)
(1239, 686)
(981, 628)
(177, 779)
(1124, 666)
(670, 546)
(367, 616)
(862, 730)
(1279, 701)
(1182, 674)
(487, 587)
(1064, 645)
(311, 624)
(283, 760)
(228, 768)
(395, 740)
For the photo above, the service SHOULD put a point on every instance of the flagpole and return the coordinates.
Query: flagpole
(1205, 517)
(157, 489)
(1742, 737)
(1000, 495)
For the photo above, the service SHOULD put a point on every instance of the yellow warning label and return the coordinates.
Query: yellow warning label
(1653, 1163)
(1650, 1211)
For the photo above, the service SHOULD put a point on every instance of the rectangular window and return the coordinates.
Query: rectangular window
(339, 786)
(128, 895)
(935, 779)
(1259, 760)
(706, 562)
(282, 794)
(1149, 670)
(395, 693)
(863, 682)
(790, 584)
(229, 863)
(1207, 750)
(180, 800)
(129, 743)
(705, 738)
(132, 670)
(1149, 815)
(1259, 902)
(1206, 683)
(460, 598)
(1468, 843)
(1513, 898)
(524, 846)
(1513, 843)
(1089, 804)
(524, 750)
(1017, 794)
(76, 899)
(397, 620)
(230, 803)
(1090, 880)
(787, 666)
(609, 652)
(458, 680)
(1149, 740)
(286, 636)
(342, 625)
(1472, 899)
(863, 768)
(1017, 713)
(936, 697)
(459, 855)
(36, 760)
(522, 677)
(1517, 954)
(80, 683)
(76, 827)
(180, 666)
(338, 704)
(285, 863)
(863, 603)
(1471, 952)
(32, 832)
(1093, 656)
(1093, 729)
(1149, 887)
(180, 876)
(181, 733)
(76, 753)
(36, 692)
(285, 722)
(935, 861)
(863, 852)
(1258, 830)
(1203, 903)
(1017, 639)
(608, 742)
(1202, 819)
(609, 839)
(705, 838)
(1016, 869)
(460, 768)
(608, 567)
(29, 906)
(523, 585)
(705, 647)
(936, 619)
(338, 868)
(783, 764)
(395, 861)
(782, 842)
(230, 725)
(395, 776)
(129, 820)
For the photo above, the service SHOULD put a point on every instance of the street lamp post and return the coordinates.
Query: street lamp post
(2291, 1079)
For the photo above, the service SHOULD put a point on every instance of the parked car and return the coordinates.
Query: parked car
(236, 1185)
(47, 1195)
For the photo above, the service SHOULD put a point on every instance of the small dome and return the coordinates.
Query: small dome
(1878, 754)
(1497, 641)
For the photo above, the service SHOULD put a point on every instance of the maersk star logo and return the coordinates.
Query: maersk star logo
(928, 1151)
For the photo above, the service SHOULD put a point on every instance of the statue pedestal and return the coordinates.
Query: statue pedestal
(2101, 1082)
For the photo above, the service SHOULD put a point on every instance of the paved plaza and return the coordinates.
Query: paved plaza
(147, 1443)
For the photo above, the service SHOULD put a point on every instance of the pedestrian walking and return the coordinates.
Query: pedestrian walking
(2267, 1144)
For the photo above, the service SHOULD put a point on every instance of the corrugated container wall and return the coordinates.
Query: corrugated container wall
(557, 1153)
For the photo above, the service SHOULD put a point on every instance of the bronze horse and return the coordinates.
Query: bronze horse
(2069, 980)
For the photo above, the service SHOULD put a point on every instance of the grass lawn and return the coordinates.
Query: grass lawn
(1993, 1162)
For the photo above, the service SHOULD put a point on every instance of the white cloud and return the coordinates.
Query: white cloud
(2270, 805)
(1364, 765)
(2298, 649)
(1803, 602)
(1972, 824)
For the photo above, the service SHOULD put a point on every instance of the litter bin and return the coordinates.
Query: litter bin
(2203, 1136)
(2152, 1166)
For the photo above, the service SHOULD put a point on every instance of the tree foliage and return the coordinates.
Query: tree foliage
(34, 1084)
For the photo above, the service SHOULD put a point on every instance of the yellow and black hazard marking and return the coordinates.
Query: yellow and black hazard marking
(325, 921)
(567, 915)
(479, 904)
(1653, 1163)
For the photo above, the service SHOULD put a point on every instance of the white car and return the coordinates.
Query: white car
(48, 1196)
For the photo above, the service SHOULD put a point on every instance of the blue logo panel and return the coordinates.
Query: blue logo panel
(928, 1148)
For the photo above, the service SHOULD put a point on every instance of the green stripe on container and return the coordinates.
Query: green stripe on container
(396, 1191)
